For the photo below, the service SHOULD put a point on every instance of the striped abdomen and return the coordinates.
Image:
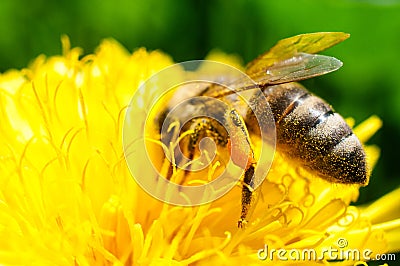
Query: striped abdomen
(308, 130)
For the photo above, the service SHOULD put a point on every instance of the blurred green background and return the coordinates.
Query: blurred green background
(368, 83)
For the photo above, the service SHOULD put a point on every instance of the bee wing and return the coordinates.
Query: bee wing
(291, 59)
(310, 43)
(298, 67)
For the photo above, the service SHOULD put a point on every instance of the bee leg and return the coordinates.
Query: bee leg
(239, 139)
(247, 194)
(189, 148)
(185, 152)
(202, 129)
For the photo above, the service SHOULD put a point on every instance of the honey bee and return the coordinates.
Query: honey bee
(308, 130)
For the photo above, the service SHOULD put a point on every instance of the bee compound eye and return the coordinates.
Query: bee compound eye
(236, 118)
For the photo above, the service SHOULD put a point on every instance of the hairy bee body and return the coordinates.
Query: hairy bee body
(310, 132)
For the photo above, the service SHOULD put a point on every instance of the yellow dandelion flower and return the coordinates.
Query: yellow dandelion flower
(67, 197)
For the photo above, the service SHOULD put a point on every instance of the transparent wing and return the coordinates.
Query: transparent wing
(291, 59)
(310, 43)
(298, 67)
